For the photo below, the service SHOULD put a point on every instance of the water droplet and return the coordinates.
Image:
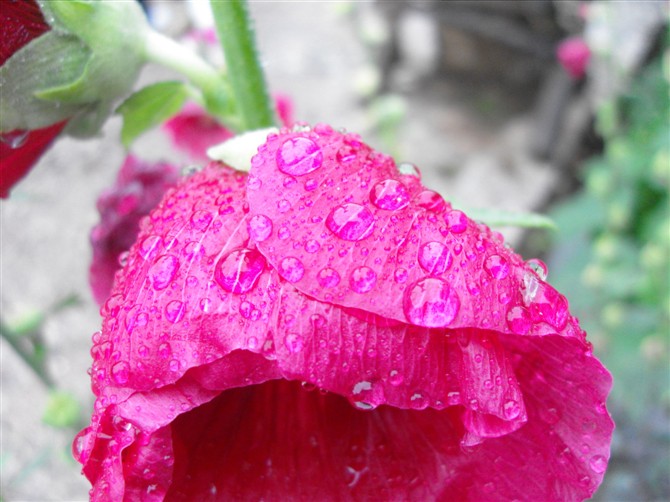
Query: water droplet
(238, 270)
(530, 287)
(163, 271)
(174, 365)
(345, 154)
(311, 185)
(598, 464)
(434, 257)
(283, 205)
(430, 201)
(409, 169)
(497, 266)
(400, 275)
(299, 156)
(254, 183)
(456, 221)
(396, 378)
(149, 246)
(328, 277)
(511, 409)
(453, 398)
(121, 372)
(174, 311)
(431, 302)
(15, 139)
(312, 246)
(164, 350)
(294, 343)
(200, 220)
(390, 195)
(259, 227)
(284, 233)
(519, 320)
(362, 279)
(351, 222)
(539, 267)
(291, 269)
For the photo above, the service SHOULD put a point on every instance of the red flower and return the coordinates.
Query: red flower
(574, 55)
(326, 328)
(138, 189)
(21, 22)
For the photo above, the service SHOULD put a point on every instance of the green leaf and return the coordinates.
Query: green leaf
(51, 60)
(149, 107)
(62, 410)
(501, 218)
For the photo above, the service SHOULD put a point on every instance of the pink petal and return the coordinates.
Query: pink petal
(198, 316)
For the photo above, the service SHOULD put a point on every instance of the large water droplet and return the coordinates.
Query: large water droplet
(511, 409)
(497, 266)
(238, 270)
(149, 246)
(163, 271)
(174, 311)
(15, 139)
(519, 320)
(362, 279)
(431, 201)
(456, 221)
(291, 269)
(351, 222)
(121, 372)
(259, 227)
(431, 302)
(390, 195)
(299, 156)
(434, 258)
(328, 277)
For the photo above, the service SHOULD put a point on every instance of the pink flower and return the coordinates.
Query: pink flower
(21, 22)
(138, 189)
(574, 55)
(194, 131)
(326, 328)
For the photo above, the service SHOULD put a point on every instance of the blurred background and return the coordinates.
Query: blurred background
(553, 106)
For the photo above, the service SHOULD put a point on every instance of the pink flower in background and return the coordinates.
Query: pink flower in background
(21, 22)
(193, 131)
(139, 187)
(574, 55)
(325, 328)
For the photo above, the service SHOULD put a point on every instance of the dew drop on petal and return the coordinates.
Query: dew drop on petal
(362, 279)
(299, 156)
(238, 270)
(598, 464)
(164, 350)
(430, 201)
(511, 409)
(259, 227)
(400, 275)
(519, 320)
(312, 246)
(456, 221)
(539, 267)
(15, 139)
(163, 271)
(409, 169)
(294, 343)
(390, 195)
(149, 246)
(283, 205)
(291, 269)
(351, 222)
(254, 183)
(121, 372)
(328, 277)
(200, 220)
(497, 266)
(431, 302)
(396, 378)
(434, 257)
(174, 311)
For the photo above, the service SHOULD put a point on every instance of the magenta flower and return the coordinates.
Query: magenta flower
(326, 328)
(138, 189)
(574, 55)
(21, 22)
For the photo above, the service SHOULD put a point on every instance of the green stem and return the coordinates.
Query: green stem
(246, 77)
(32, 360)
(214, 86)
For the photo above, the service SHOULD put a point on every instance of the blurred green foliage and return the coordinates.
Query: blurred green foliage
(611, 257)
